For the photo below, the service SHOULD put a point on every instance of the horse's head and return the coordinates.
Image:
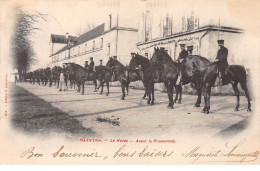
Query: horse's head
(156, 57)
(156, 63)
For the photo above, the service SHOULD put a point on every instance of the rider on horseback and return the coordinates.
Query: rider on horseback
(91, 65)
(181, 59)
(222, 61)
(86, 65)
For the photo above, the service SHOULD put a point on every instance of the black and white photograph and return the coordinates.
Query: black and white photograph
(133, 82)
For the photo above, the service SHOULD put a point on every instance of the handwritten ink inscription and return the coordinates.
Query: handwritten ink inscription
(196, 155)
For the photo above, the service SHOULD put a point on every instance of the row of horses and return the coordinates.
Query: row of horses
(160, 68)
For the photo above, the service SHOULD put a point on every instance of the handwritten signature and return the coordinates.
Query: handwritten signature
(228, 154)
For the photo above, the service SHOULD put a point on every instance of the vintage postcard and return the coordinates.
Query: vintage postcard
(129, 82)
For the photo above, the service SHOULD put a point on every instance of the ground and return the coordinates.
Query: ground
(40, 109)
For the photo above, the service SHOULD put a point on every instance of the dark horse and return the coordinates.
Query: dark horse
(165, 71)
(207, 77)
(191, 62)
(145, 73)
(114, 66)
(79, 74)
(103, 75)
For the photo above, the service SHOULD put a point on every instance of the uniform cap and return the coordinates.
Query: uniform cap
(220, 42)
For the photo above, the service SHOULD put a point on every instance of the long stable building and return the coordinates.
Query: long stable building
(114, 37)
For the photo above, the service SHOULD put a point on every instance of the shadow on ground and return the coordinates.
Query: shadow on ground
(34, 115)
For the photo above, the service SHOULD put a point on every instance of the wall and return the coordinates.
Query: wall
(126, 44)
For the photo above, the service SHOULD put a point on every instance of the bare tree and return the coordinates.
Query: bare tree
(23, 54)
(83, 29)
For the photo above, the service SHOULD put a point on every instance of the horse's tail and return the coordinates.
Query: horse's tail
(239, 72)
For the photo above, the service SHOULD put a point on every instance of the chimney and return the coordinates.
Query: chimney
(67, 38)
(67, 35)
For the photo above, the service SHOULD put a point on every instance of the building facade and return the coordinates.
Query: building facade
(114, 37)
(198, 32)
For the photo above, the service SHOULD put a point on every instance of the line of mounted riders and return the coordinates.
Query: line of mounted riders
(194, 69)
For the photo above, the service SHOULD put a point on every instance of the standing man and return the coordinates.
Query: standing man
(222, 60)
(181, 59)
(86, 65)
(101, 62)
(62, 81)
(132, 54)
(91, 65)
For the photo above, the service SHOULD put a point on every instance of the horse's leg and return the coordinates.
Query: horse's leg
(58, 82)
(127, 84)
(197, 104)
(82, 92)
(177, 93)
(244, 87)
(208, 92)
(95, 83)
(78, 84)
(107, 88)
(169, 86)
(102, 85)
(235, 88)
(152, 91)
(148, 94)
(144, 90)
(180, 92)
(205, 101)
(123, 89)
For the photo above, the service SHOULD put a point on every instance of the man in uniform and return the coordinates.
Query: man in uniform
(181, 59)
(222, 60)
(86, 65)
(132, 54)
(91, 65)
(101, 62)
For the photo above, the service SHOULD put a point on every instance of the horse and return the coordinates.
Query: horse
(103, 75)
(79, 74)
(46, 75)
(114, 66)
(166, 71)
(133, 74)
(235, 74)
(191, 62)
(145, 73)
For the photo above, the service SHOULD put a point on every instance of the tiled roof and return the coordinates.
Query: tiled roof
(97, 31)
(61, 38)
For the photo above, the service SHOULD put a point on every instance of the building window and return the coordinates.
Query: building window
(146, 55)
(93, 44)
(101, 46)
(147, 25)
(167, 26)
(108, 46)
(110, 21)
(190, 22)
